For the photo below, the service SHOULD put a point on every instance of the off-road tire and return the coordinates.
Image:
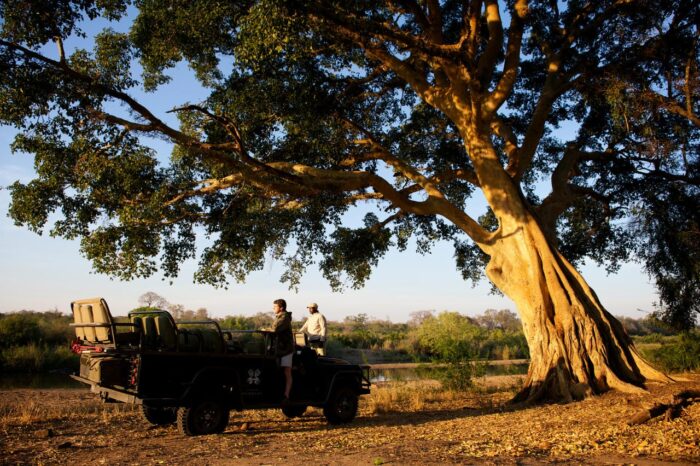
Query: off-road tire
(341, 407)
(202, 418)
(294, 410)
(159, 416)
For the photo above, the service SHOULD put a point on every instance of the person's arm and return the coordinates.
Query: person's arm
(305, 326)
(322, 324)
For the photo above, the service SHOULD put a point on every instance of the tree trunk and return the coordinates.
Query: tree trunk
(576, 347)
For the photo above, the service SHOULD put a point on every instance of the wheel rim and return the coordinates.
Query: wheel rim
(208, 417)
(345, 405)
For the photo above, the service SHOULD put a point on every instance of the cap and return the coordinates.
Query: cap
(312, 305)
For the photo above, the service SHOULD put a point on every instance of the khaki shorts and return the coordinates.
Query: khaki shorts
(286, 361)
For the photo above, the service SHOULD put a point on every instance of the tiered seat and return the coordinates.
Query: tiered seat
(92, 321)
(158, 329)
(200, 338)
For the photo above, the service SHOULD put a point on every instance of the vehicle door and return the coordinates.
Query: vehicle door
(261, 378)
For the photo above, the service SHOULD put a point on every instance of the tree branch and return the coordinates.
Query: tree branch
(380, 30)
(510, 67)
(563, 194)
(327, 180)
(551, 89)
(488, 59)
(223, 121)
(61, 50)
(415, 78)
(674, 107)
(397, 164)
(412, 7)
(472, 28)
(504, 131)
(154, 125)
(435, 18)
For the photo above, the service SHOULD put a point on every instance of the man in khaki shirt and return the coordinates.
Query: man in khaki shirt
(315, 329)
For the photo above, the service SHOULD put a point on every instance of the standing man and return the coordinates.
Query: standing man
(285, 342)
(315, 329)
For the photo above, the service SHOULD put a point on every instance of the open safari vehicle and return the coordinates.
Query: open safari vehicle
(195, 373)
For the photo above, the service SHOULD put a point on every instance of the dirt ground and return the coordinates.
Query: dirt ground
(72, 427)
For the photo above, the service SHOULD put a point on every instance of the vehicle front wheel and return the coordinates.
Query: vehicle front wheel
(202, 418)
(342, 406)
(294, 410)
(159, 416)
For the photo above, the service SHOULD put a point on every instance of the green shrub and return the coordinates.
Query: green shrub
(500, 344)
(25, 327)
(37, 358)
(459, 375)
(18, 329)
(655, 338)
(680, 356)
(450, 337)
(454, 340)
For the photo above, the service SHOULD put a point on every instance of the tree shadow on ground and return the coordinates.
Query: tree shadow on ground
(317, 422)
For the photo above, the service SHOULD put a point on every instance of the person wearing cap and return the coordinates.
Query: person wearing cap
(315, 329)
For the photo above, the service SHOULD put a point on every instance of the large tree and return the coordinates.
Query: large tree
(558, 113)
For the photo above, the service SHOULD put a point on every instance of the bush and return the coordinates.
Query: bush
(450, 337)
(499, 344)
(23, 328)
(681, 356)
(655, 338)
(37, 358)
(459, 375)
(18, 329)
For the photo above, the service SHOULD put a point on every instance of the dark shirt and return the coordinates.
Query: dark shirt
(283, 331)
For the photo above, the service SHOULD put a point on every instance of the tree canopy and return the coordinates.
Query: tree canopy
(577, 121)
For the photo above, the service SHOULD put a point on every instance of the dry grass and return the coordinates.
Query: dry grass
(20, 411)
(398, 396)
(499, 383)
(416, 395)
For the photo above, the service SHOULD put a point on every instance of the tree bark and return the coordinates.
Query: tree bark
(576, 347)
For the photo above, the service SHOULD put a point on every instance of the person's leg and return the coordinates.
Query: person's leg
(288, 385)
(286, 363)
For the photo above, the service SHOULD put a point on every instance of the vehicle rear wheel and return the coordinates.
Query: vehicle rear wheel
(159, 416)
(342, 406)
(294, 410)
(202, 418)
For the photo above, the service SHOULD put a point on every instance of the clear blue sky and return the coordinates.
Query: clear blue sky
(43, 273)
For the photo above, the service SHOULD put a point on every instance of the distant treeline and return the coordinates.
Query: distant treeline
(39, 341)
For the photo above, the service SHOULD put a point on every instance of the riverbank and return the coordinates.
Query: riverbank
(415, 365)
